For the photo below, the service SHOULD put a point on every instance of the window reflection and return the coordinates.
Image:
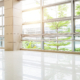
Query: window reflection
(1, 64)
(48, 66)
(31, 66)
(0, 74)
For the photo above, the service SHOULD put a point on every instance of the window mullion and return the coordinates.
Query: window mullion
(42, 27)
(73, 23)
(2, 27)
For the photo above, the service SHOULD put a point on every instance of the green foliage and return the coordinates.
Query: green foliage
(77, 30)
(61, 13)
(77, 49)
(56, 26)
(46, 14)
(49, 48)
(68, 38)
(78, 9)
(30, 45)
(61, 49)
(64, 49)
(67, 31)
(51, 43)
(62, 10)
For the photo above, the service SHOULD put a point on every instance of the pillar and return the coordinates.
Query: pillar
(13, 24)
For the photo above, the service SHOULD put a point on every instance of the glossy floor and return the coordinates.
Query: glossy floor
(30, 65)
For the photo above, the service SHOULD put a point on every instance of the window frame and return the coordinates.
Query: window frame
(2, 26)
(72, 18)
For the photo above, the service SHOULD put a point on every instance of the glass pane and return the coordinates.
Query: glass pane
(77, 8)
(3, 30)
(64, 46)
(77, 46)
(57, 27)
(50, 37)
(61, 45)
(1, 42)
(0, 10)
(77, 37)
(3, 20)
(30, 16)
(31, 45)
(50, 45)
(77, 25)
(58, 45)
(30, 4)
(31, 38)
(57, 38)
(3, 10)
(0, 30)
(32, 29)
(46, 2)
(64, 38)
(0, 21)
(57, 11)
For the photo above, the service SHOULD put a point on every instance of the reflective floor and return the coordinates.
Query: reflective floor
(30, 65)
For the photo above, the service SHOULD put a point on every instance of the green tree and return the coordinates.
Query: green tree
(78, 8)
(77, 13)
(56, 26)
(30, 45)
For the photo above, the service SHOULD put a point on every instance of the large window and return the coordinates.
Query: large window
(51, 25)
(2, 26)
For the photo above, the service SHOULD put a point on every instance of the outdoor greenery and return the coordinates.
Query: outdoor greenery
(78, 8)
(57, 25)
(77, 13)
(31, 45)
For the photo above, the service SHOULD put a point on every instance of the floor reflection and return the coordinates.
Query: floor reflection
(58, 67)
(49, 66)
(1, 65)
(30, 65)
